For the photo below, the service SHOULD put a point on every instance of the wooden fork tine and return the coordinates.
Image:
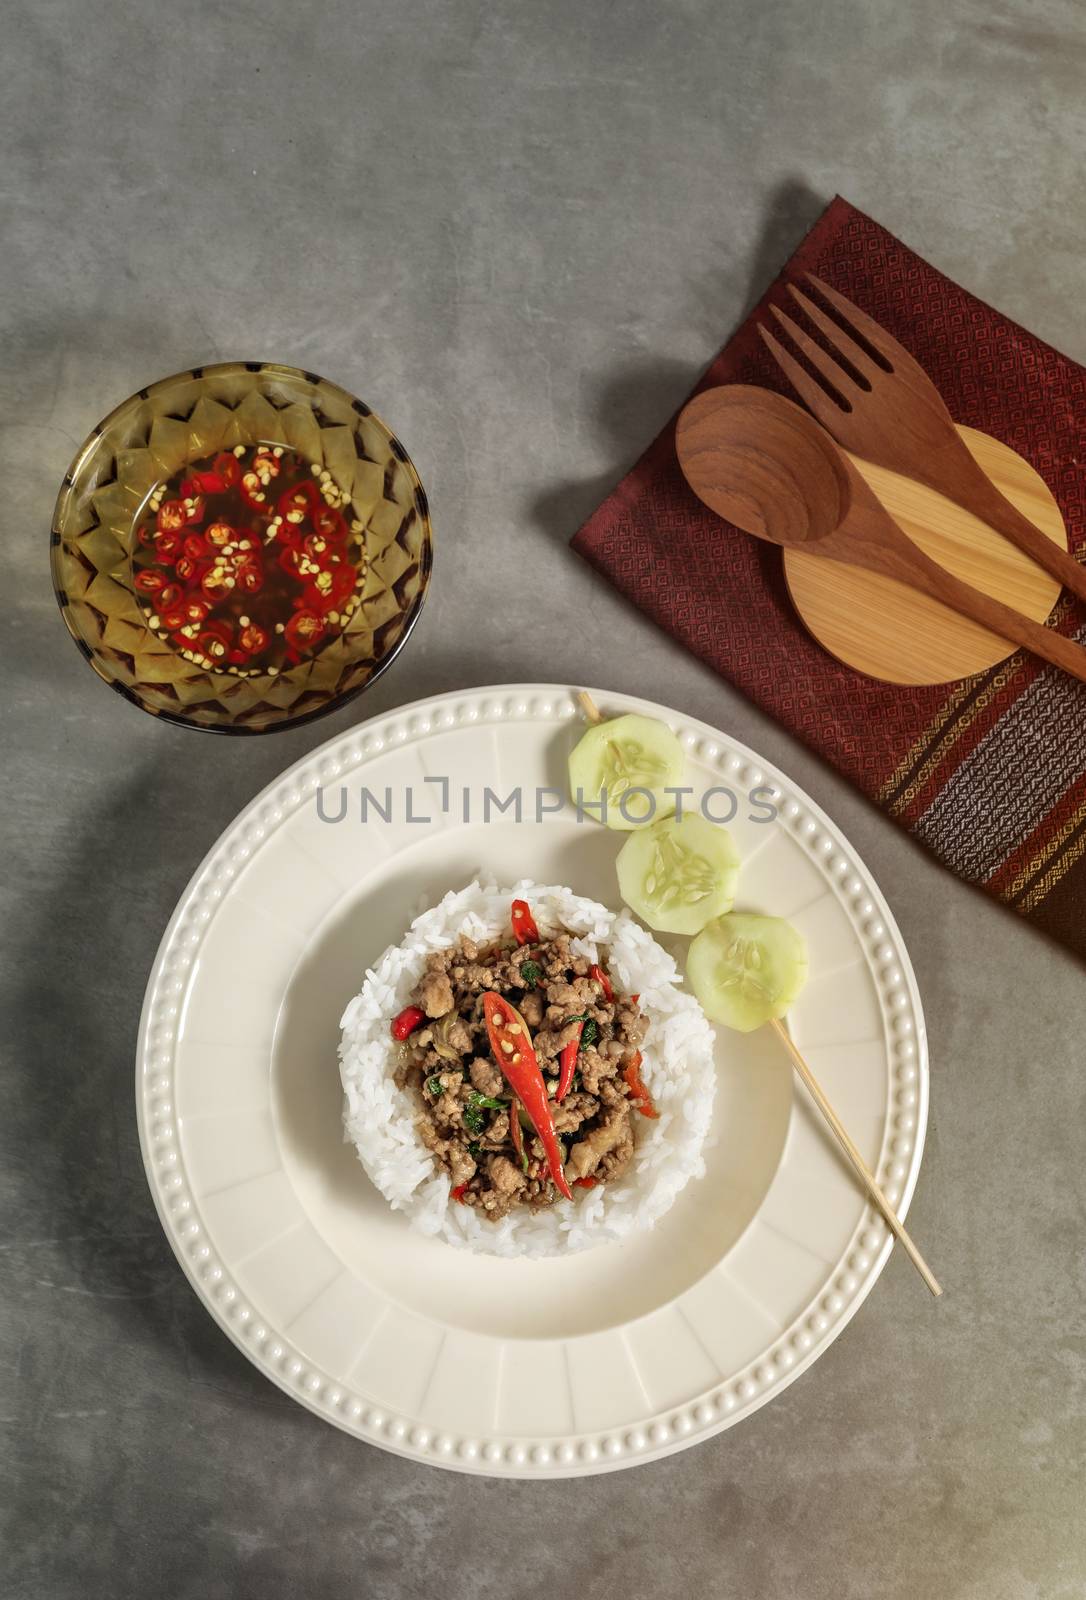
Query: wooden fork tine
(826, 365)
(839, 341)
(818, 402)
(876, 337)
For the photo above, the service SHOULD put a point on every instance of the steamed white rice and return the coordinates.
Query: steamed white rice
(677, 1066)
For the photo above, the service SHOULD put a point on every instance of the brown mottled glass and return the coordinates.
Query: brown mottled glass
(186, 418)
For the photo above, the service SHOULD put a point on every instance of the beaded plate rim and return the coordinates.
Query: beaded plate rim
(847, 1283)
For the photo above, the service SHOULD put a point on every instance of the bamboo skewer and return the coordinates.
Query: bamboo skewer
(859, 1166)
(589, 706)
(837, 1127)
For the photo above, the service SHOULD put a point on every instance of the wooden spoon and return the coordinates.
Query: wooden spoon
(765, 465)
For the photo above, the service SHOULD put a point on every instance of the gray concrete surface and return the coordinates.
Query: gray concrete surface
(519, 229)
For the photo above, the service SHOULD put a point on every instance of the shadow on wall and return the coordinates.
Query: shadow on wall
(634, 402)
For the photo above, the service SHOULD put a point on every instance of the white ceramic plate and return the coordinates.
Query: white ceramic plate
(515, 1368)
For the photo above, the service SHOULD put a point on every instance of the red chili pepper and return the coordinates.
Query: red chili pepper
(513, 1051)
(290, 559)
(205, 483)
(228, 468)
(597, 972)
(252, 640)
(249, 576)
(335, 595)
(167, 547)
(524, 928)
(303, 630)
(410, 1018)
(304, 497)
(196, 609)
(642, 1099)
(171, 516)
(197, 547)
(150, 581)
(214, 584)
(344, 583)
(170, 595)
(585, 1183)
(567, 1063)
(172, 620)
(459, 1192)
(220, 533)
(253, 492)
(265, 460)
(190, 490)
(215, 640)
(330, 524)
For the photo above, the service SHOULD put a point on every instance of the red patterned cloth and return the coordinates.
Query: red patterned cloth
(990, 773)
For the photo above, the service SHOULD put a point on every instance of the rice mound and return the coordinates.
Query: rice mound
(677, 1066)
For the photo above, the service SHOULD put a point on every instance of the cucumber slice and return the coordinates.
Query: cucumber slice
(679, 874)
(626, 753)
(746, 969)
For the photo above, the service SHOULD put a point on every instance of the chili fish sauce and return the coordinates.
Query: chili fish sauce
(246, 561)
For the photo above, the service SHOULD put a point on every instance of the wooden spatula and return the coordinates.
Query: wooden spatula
(884, 407)
(758, 460)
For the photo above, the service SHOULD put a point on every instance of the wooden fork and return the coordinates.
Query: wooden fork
(881, 404)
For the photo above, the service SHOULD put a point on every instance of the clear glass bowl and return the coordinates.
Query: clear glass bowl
(186, 418)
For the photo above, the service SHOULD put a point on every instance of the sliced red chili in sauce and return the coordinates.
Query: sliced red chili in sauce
(329, 523)
(253, 491)
(303, 631)
(192, 502)
(167, 546)
(299, 501)
(227, 468)
(245, 562)
(196, 547)
(171, 516)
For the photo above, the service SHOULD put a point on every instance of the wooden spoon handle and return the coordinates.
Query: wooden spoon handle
(963, 481)
(869, 537)
(1000, 619)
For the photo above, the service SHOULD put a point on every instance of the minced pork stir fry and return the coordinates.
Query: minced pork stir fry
(526, 1067)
